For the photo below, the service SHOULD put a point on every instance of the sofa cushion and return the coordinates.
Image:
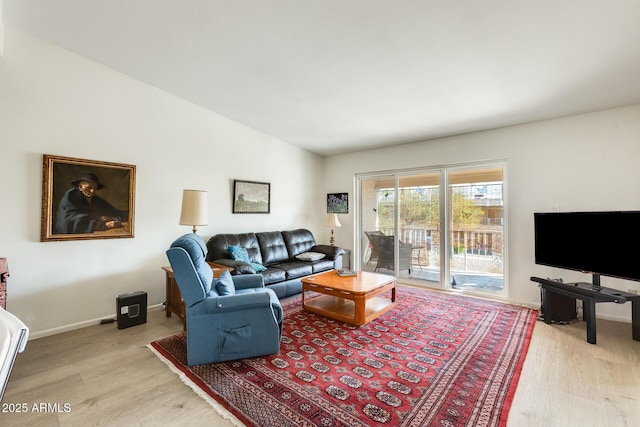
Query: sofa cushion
(218, 246)
(259, 268)
(224, 284)
(273, 275)
(332, 252)
(241, 254)
(298, 241)
(272, 247)
(322, 265)
(310, 256)
(239, 267)
(295, 269)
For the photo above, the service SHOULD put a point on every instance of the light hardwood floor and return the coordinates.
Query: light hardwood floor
(109, 378)
(566, 381)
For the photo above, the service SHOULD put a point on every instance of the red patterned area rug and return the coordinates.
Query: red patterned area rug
(434, 360)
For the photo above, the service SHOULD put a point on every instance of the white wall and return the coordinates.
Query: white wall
(585, 162)
(55, 102)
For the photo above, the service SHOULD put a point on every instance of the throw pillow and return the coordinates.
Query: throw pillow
(241, 267)
(258, 267)
(238, 253)
(224, 284)
(310, 256)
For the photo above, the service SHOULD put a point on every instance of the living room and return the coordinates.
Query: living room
(54, 101)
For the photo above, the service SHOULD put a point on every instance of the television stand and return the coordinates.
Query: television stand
(590, 294)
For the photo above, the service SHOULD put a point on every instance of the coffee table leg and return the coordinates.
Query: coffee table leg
(304, 291)
(359, 301)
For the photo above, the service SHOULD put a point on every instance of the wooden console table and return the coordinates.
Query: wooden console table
(590, 295)
(173, 298)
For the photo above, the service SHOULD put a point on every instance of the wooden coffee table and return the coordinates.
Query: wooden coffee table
(352, 299)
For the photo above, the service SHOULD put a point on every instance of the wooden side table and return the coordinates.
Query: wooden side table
(173, 298)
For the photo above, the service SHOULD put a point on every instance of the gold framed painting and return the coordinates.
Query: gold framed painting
(86, 199)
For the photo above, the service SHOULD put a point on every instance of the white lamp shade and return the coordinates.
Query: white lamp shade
(332, 221)
(194, 208)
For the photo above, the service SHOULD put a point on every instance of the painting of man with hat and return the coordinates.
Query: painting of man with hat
(81, 210)
(86, 199)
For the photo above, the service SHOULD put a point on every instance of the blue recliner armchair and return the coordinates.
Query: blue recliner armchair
(232, 317)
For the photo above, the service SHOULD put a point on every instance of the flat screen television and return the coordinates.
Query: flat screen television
(598, 243)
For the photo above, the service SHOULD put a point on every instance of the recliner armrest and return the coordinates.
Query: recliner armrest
(232, 303)
(332, 252)
(246, 281)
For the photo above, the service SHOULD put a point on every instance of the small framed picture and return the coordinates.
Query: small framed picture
(338, 203)
(251, 197)
(86, 199)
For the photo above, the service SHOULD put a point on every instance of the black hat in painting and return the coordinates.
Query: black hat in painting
(91, 177)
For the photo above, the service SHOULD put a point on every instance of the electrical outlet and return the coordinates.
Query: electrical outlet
(555, 208)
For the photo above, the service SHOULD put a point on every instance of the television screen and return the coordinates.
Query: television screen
(602, 243)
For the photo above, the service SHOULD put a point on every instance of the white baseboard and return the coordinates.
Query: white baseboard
(84, 324)
(80, 325)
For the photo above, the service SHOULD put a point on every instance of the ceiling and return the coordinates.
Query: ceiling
(335, 76)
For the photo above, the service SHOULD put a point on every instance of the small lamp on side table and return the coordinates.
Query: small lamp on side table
(332, 221)
(194, 208)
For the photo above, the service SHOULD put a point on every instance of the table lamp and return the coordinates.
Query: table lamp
(332, 221)
(194, 208)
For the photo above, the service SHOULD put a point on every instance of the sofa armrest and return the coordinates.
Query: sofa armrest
(332, 252)
(246, 281)
(239, 267)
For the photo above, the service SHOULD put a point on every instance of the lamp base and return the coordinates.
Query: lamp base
(332, 240)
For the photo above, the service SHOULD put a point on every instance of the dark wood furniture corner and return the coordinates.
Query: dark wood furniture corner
(173, 298)
(590, 294)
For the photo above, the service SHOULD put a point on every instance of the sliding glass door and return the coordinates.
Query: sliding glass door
(476, 218)
(400, 215)
(419, 213)
(441, 227)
